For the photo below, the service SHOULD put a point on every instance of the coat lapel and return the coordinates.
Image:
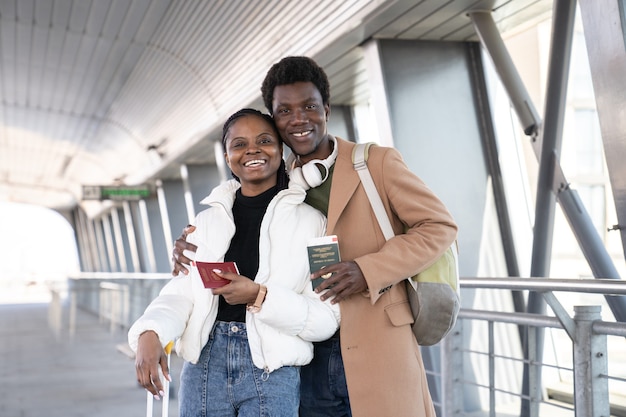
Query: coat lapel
(345, 182)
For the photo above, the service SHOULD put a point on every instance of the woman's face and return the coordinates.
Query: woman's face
(253, 153)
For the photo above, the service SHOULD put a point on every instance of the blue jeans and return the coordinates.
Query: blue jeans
(225, 382)
(324, 392)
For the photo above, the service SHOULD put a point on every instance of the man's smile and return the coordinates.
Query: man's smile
(301, 134)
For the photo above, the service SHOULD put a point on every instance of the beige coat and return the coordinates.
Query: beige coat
(384, 368)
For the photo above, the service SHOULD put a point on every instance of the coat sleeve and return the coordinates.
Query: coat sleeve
(167, 314)
(423, 225)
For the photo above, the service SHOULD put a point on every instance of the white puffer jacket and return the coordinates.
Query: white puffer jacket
(292, 315)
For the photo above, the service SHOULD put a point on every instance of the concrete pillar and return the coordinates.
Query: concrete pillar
(110, 243)
(147, 238)
(202, 179)
(120, 239)
(164, 217)
(131, 237)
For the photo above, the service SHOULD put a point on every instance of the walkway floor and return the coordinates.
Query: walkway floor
(47, 375)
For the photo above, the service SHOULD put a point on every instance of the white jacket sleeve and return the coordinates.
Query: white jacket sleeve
(167, 314)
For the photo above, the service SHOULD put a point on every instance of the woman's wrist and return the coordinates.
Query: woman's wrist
(255, 307)
(147, 333)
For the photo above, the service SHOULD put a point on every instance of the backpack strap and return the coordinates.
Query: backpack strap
(359, 160)
(360, 153)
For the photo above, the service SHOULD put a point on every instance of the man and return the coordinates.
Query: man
(384, 372)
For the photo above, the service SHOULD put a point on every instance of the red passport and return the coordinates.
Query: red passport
(209, 278)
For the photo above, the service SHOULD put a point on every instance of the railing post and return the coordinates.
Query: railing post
(115, 307)
(101, 304)
(55, 313)
(124, 321)
(451, 363)
(492, 370)
(73, 303)
(534, 374)
(591, 387)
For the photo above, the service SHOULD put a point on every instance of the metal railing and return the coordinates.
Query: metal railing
(118, 299)
(590, 396)
(121, 299)
(114, 304)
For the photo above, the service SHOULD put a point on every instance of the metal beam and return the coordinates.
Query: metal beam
(552, 183)
(490, 38)
(545, 203)
(579, 220)
(604, 23)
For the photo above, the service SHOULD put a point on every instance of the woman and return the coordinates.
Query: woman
(238, 361)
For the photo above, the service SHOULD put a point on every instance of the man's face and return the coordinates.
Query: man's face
(301, 117)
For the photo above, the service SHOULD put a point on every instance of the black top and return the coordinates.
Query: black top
(248, 213)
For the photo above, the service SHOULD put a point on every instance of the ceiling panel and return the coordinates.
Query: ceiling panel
(94, 22)
(61, 13)
(413, 17)
(513, 15)
(43, 13)
(79, 15)
(87, 86)
(114, 19)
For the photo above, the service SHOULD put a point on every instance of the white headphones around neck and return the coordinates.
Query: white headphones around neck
(310, 174)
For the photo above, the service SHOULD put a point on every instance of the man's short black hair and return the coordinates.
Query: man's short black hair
(293, 69)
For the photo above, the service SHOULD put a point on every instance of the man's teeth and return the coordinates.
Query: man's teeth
(254, 162)
(300, 134)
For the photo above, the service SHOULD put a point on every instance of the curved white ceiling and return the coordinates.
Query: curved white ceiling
(88, 86)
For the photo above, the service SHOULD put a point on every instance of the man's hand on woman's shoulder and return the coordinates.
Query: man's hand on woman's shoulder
(180, 261)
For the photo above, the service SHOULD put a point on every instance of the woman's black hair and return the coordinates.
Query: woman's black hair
(282, 180)
(293, 69)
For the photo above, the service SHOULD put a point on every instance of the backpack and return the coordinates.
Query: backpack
(434, 292)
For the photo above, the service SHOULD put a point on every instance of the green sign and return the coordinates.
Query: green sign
(119, 193)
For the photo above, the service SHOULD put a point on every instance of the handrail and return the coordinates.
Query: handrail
(596, 286)
(587, 331)
(454, 347)
(121, 275)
